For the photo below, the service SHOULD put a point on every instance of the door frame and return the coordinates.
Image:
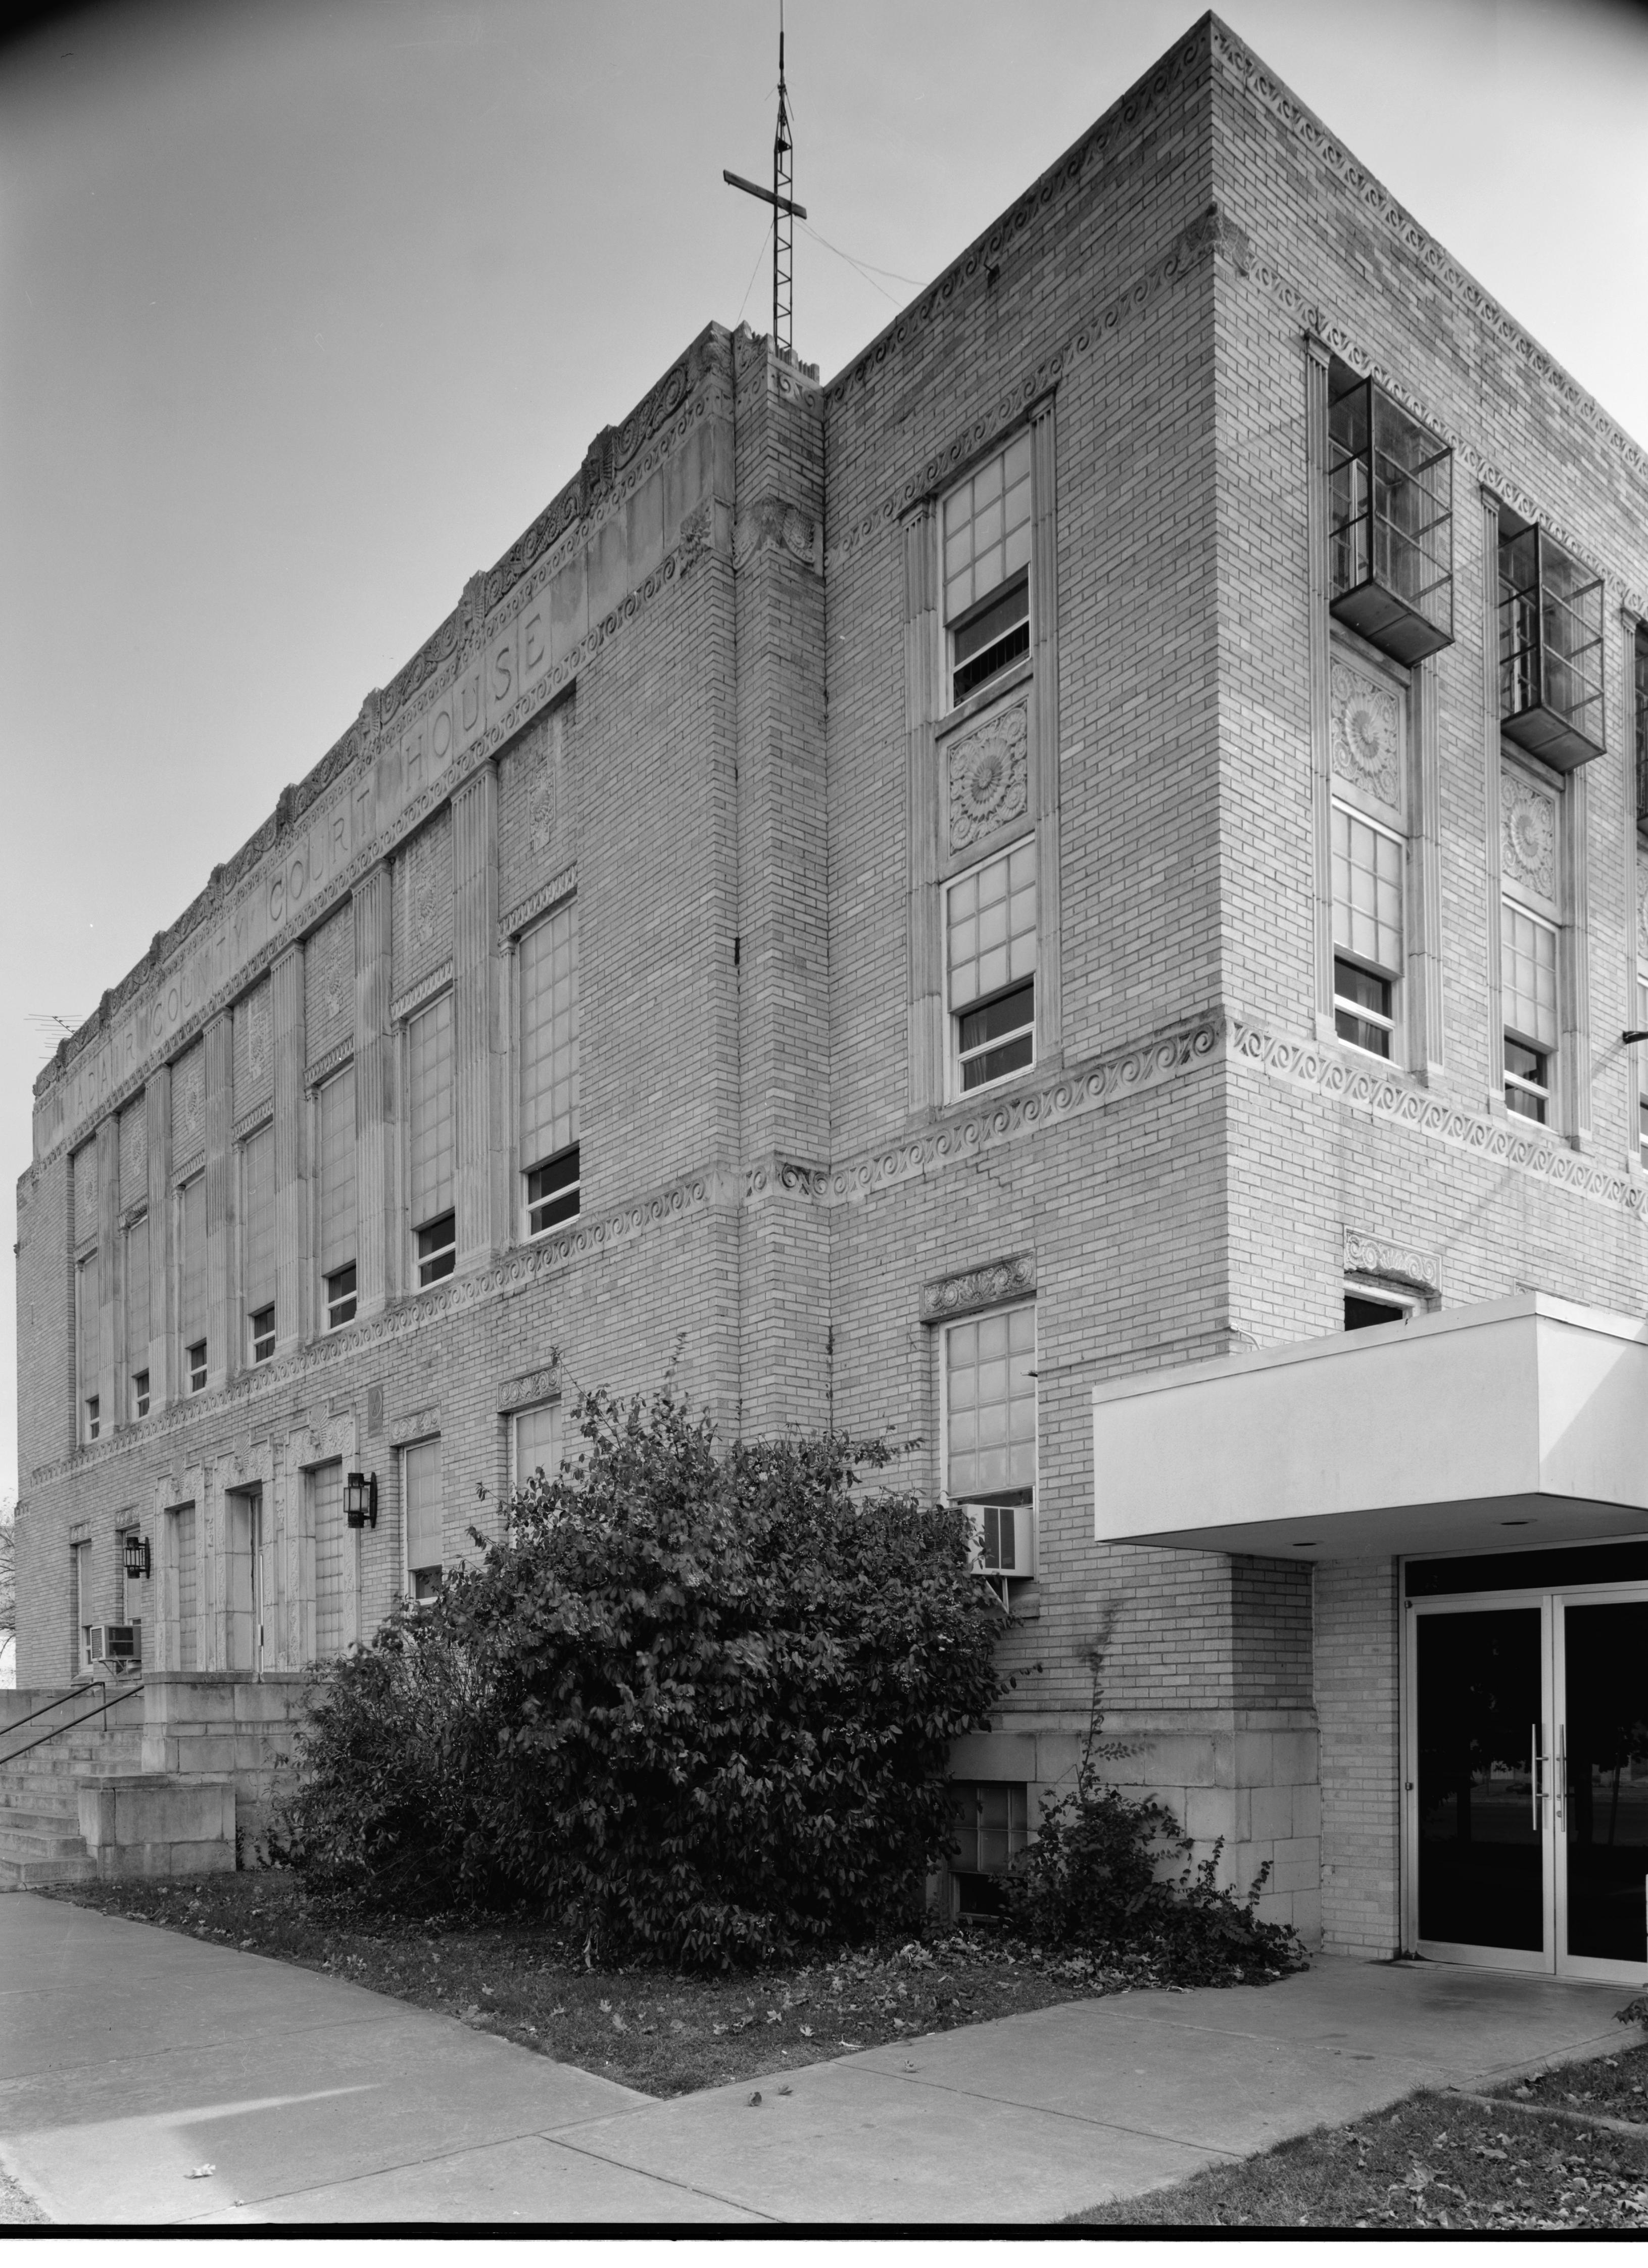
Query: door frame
(1554, 1960)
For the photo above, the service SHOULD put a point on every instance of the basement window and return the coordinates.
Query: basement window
(989, 1827)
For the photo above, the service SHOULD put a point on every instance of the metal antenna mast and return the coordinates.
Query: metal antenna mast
(785, 209)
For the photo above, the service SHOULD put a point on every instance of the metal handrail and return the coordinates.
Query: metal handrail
(41, 1739)
(68, 1693)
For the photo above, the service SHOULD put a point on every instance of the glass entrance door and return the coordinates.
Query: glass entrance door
(1527, 1781)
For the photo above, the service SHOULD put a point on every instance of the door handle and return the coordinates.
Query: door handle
(1561, 1779)
(1533, 1774)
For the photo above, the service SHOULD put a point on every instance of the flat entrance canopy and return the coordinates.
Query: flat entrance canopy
(1523, 1421)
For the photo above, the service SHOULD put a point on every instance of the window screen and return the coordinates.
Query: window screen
(430, 1066)
(192, 1261)
(137, 1296)
(336, 1100)
(990, 1406)
(257, 1219)
(1528, 972)
(549, 1037)
(422, 1476)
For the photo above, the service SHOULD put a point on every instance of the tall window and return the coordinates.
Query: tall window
(89, 1338)
(1642, 1064)
(338, 1250)
(137, 1316)
(257, 1242)
(1528, 972)
(421, 1494)
(989, 1422)
(192, 1280)
(1367, 902)
(535, 1443)
(1551, 647)
(549, 1070)
(990, 959)
(80, 1601)
(987, 568)
(1390, 520)
(430, 1079)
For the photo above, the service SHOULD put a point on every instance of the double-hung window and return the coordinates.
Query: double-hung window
(1368, 823)
(989, 963)
(534, 1443)
(429, 1082)
(137, 1316)
(257, 1241)
(335, 1108)
(421, 1497)
(987, 569)
(192, 1280)
(988, 1425)
(549, 1070)
(1527, 973)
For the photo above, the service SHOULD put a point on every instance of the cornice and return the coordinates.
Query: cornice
(1260, 87)
(1212, 231)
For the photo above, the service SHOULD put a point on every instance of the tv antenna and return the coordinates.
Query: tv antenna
(785, 209)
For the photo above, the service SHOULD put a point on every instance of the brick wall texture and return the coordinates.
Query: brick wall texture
(734, 756)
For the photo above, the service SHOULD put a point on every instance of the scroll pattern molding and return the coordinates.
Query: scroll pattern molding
(978, 1287)
(1397, 1263)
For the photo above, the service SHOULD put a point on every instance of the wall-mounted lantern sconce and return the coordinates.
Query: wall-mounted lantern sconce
(1629, 1038)
(136, 1557)
(360, 1500)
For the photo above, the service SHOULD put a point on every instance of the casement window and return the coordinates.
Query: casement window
(88, 1344)
(430, 1084)
(988, 1426)
(1551, 648)
(534, 1443)
(339, 1257)
(1390, 520)
(421, 1496)
(988, 1828)
(990, 961)
(1367, 929)
(137, 1316)
(549, 1070)
(1527, 976)
(986, 536)
(192, 1280)
(257, 1242)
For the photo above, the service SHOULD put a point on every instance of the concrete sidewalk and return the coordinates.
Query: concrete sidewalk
(130, 2056)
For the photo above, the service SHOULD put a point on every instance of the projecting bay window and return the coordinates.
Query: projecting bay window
(989, 965)
(1527, 973)
(191, 1246)
(335, 1112)
(988, 1428)
(431, 1142)
(1550, 646)
(421, 1497)
(88, 1338)
(138, 1317)
(257, 1242)
(987, 569)
(1390, 521)
(550, 1169)
(1367, 931)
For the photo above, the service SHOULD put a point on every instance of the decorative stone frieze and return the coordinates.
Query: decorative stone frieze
(550, 892)
(986, 1286)
(415, 1424)
(987, 771)
(1394, 1264)
(410, 1002)
(1527, 837)
(531, 1386)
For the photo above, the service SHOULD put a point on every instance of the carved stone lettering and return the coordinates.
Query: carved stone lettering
(988, 771)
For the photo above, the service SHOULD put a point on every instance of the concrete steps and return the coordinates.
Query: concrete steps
(41, 1841)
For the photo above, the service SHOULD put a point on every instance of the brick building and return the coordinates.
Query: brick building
(1073, 891)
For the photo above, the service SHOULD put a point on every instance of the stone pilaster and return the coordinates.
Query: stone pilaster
(163, 1384)
(375, 1155)
(224, 1350)
(294, 1277)
(111, 1278)
(1320, 650)
(477, 1037)
(1044, 602)
(920, 707)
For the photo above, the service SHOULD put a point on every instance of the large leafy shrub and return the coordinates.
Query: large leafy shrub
(696, 1701)
(1114, 1876)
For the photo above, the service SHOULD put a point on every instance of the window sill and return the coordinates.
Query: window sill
(986, 696)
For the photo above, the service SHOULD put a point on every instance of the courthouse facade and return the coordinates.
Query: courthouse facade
(1073, 892)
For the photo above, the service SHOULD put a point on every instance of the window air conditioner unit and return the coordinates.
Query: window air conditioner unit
(118, 1645)
(1003, 1539)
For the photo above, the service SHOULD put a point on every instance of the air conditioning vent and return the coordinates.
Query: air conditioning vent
(1004, 1538)
(119, 1645)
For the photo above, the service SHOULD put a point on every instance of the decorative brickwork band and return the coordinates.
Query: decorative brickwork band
(978, 1287)
(1396, 1264)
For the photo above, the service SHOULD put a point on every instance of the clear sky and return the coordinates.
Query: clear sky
(308, 308)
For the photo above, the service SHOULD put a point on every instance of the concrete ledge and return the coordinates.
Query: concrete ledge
(147, 1823)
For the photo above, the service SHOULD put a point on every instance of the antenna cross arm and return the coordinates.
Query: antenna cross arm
(767, 196)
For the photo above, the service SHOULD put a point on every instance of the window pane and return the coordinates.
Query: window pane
(549, 1037)
(986, 525)
(990, 1405)
(537, 1442)
(1366, 890)
(192, 1260)
(429, 1053)
(1529, 976)
(137, 1295)
(337, 1172)
(257, 1219)
(421, 1474)
(991, 921)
